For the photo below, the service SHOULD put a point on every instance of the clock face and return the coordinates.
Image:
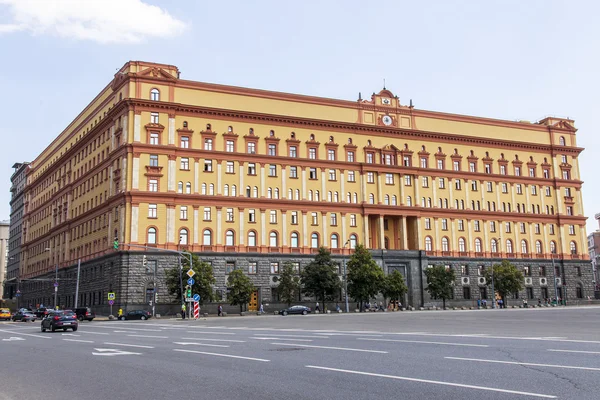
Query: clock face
(387, 120)
(385, 101)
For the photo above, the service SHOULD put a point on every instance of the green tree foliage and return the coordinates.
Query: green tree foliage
(365, 278)
(320, 278)
(507, 279)
(240, 288)
(394, 286)
(289, 284)
(440, 282)
(204, 278)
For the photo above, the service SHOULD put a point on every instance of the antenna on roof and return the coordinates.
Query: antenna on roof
(359, 96)
(383, 83)
(411, 104)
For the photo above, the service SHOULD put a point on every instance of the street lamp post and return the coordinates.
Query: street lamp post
(346, 280)
(493, 291)
(554, 276)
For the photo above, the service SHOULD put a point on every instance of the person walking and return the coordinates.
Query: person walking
(317, 308)
(262, 309)
(220, 310)
(120, 312)
(183, 310)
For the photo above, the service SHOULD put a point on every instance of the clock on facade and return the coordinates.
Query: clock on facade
(387, 120)
(385, 101)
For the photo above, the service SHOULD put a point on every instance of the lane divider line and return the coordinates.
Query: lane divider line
(221, 355)
(523, 363)
(330, 348)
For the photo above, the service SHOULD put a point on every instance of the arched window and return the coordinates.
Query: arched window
(371, 199)
(494, 246)
(155, 95)
(188, 188)
(334, 241)
(428, 243)
(211, 189)
(180, 187)
(355, 198)
(538, 247)
(233, 190)
(255, 192)
(229, 238)
(524, 247)
(276, 193)
(461, 245)
(336, 197)
(329, 196)
(248, 191)
(290, 194)
(509, 248)
(386, 200)
(353, 241)
(394, 200)
(310, 195)
(183, 236)
(562, 141)
(251, 238)
(349, 198)
(573, 247)
(317, 195)
(203, 189)
(273, 239)
(207, 237)
(226, 190)
(294, 239)
(269, 193)
(478, 245)
(429, 202)
(314, 240)
(409, 201)
(553, 247)
(151, 235)
(445, 246)
(297, 194)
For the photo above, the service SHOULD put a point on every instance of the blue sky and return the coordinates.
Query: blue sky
(514, 60)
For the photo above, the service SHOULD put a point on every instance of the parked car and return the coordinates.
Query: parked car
(24, 316)
(42, 312)
(60, 320)
(295, 310)
(136, 314)
(84, 313)
(5, 314)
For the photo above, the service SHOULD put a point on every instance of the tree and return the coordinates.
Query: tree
(440, 282)
(240, 288)
(507, 279)
(320, 278)
(204, 278)
(394, 287)
(289, 284)
(365, 278)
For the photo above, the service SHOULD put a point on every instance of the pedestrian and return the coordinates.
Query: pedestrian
(219, 310)
(478, 303)
(262, 309)
(337, 307)
(381, 306)
(317, 308)
(183, 309)
(120, 312)
(524, 303)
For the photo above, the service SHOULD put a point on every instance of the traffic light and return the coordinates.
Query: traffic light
(144, 261)
(116, 244)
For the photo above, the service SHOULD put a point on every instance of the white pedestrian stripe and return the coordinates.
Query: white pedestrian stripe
(25, 334)
(78, 340)
(70, 334)
(211, 333)
(149, 336)
(284, 339)
(523, 363)
(222, 355)
(297, 336)
(215, 340)
(12, 339)
(94, 333)
(575, 351)
(113, 352)
(199, 344)
(403, 378)
(330, 348)
(425, 342)
(129, 345)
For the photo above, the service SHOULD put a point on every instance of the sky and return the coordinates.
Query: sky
(513, 60)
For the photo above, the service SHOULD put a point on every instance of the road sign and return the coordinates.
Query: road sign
(55, 284)
(189, 299)
(196, 308)
(111, 295)
(190, 273)
(191, 281)
(196, 297)
(111, 302)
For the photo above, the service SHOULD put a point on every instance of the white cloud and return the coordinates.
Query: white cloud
(102, 21)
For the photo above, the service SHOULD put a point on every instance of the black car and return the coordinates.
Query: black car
(84, 313)
(24, 316)
(42, 312)
(60, 320)
(295, 310)
(136, 314)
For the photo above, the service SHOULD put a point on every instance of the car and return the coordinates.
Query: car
(136, 314)
(295, 310)
(60, 320)
(42, 312)
(24, 316)
(5, 314)
(84, 313)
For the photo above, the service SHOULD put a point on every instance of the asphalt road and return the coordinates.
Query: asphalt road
(487, 354)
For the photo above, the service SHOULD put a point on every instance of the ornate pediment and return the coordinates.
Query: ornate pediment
(157, 73)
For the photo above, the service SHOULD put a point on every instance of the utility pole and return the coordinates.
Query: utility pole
(554, 275)
(77, 284)
(493, 291)
(346, 280)
(56, 287)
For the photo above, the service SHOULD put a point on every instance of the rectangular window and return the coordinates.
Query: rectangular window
(476, 226)
(461, 225)
(532, 172)
(154, 118)
(294, 218)
(519, 188)
(444, 224)
(350, 156)
(230, 167)
(503, 170)
(273, 217)
(547, 174)
(274, 267)
(522, 227)
(184, 164)
(272, 150)
(551, 227)
(332, 175)
(312, 173)
(153, 160)
(183, 213)
(571, 229)
(456, 165)
(534, 190)
(152, 210)
(425, 181)
(440, 164)
(504, 187)
(154, 138)
(428, 223)
(508, 227)
(252, 268)
(293, 172)
(480, 270)
(208, 166)
(517, 171)
(229, 267)
(406, 161)
(370, 158)
(458, 184)
(442, 183)
(315, 219)
(229, 146)
(331, 155)
(272, 170)
(407, 180)
(293, 151)
(526, 270)
(251, 147)
(389, 179)
(312, 153)
(333, 219)
(184, 142)
(251, 169)
(569, 210)
(537, 228)
(353, 220)
(490, 187)
(472, 167)
(464, 270)
(370, 177)
(229, 215)
(492, 226)
(153, 185)
(474, 186)
(208, 144)
(351, 176)
(207, 214)
(488, 168)
(251, 215)
(423, 162)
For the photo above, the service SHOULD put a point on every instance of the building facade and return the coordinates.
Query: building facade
(4, 234)
(251, 179)
(594, 253)
(17, 190)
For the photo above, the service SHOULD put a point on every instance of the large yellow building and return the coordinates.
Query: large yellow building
(250, 179)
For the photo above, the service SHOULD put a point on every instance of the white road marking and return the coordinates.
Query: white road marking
(284, 339)
(297, 336)
(522, 363)
(94, 333)
(424, 342)
(461, 385)
(211, 333)
(78, 340)
(547, 339)
(575, 351)
(149, 336)
(129, 345)
(346, 334)
(70, 334)
(113, 352)
(215, 340)
(200, 344)
(12, 339)
(330, 348)
(128, 329)
(122, 331)
(25, 334)
(221, 355)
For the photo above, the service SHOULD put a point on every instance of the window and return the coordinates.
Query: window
(207, 237)
(229, 146)
(573, 247)
(154, 95)
(229, 215)
(151, 235)
(333, 219)
(252, 268)
(312, 153)
(509, 246)
(406, 161)
(476, 226)
(461, 245)
(208, 144)
(229, 267)
(456, 165)
(153, 160)
(370, 177)
(389, 179)
(154, 118)
(492, 226)
(508, 227)
(407, 180)
(314, 240)
(203, 189)
(440, 164)
(183, 213)
(151, 210)
(207, 214)
(251, 169)
(331, 155)
(561, 141)
(272, 150)
(370, 158)
(563, 159)
(517, 171)
(503, 170)
(466, 293)
(332, 175)
(272, 170)
(353, 220)
(229, 238)
(353, 241)
(445, 245)
(553, 247)
(578, 271)
(293, 172)
(185, 163)
(293, 151)
(312, 173)
(152, 185)
(334, 241)
(183, 236)
(350, 156)
(251, 215)
(351, 176)
(427, 223)
(230, 167)
(294, 239)
(442, 183)
(423, 162)
(252, 239)
(494, 246)
(273, 240)
(538, 247)
(180, 187)
(524, 248)
(474, 186)
(428, 244)
(571, 229)
(208, 166)
(542, 270)
(478, 245)
(461, 225)
(458, 184)
(273, 216)
(251, 148)
(522, 226)
(425, 181)
(444, 224)
(315, 218)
